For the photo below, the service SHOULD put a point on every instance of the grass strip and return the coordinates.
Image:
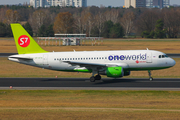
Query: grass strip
(89, 104)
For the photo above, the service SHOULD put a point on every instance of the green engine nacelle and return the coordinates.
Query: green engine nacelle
(114, 72)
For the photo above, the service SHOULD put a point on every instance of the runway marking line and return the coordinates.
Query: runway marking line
(87, 108)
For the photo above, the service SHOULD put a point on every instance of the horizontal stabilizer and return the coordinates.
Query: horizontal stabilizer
(20, 57)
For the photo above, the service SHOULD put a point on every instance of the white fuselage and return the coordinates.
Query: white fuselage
(132, 60)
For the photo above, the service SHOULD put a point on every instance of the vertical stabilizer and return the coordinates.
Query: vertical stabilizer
(25, 44)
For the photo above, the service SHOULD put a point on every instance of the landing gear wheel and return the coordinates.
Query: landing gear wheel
(151, 79)
(97, 77)
(92, 79)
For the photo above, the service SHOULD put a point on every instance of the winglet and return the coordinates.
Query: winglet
(25, 44)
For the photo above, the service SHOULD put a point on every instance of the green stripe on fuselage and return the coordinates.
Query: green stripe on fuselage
(84, 71)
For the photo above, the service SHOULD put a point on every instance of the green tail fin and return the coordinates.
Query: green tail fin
(24, 42)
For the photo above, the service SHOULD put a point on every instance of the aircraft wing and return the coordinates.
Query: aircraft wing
(84, 64)
(98, 65)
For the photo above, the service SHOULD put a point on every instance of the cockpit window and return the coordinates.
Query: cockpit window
(163, 56)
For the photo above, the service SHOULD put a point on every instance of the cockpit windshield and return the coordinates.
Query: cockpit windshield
(163, 56)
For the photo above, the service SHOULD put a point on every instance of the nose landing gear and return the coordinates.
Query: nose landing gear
(150, 78)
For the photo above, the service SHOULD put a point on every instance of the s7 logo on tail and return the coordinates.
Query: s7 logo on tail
(24, 41)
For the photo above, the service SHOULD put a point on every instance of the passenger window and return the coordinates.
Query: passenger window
(62, 58)
(65, 58)
(100, 58)
(94, 58)
(78, 58)
(70, 58)
(54, 58)
(97, 58)
(105, 57)
(86, 58)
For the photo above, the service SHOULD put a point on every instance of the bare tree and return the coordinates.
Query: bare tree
(37, 19)
(99, 20)
(115, 16)
(171, 22)
(3, 14)
(127, 21)
(147, 20)
(90, 22)
(78, 23)
(112, 15)
(83, 22)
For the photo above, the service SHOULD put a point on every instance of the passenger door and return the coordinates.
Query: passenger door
(149, 57)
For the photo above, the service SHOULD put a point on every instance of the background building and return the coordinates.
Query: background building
(147, 3)
(61, 3)
(140, 3)
(80, 3)
(129, 3)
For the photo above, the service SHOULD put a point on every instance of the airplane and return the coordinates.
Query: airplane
(114, 64)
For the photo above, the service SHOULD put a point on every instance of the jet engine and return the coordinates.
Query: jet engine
(114, 72)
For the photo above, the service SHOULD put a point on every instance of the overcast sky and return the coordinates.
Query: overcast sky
(90, 2)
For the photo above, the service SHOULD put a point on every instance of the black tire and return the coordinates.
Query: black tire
(92, 79)
(151, 79)
(97, 77)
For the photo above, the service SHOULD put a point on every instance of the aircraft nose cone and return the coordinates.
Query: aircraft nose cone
(173, 62)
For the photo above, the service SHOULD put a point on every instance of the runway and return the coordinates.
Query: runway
(8, 54)
(85, 84)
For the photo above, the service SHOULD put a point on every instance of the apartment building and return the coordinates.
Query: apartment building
(147, 3)
(61, 3)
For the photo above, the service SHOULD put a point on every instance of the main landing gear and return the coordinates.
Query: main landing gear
(97, 77)
(150, 78)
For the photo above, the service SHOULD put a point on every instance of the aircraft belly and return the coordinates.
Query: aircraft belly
(62, 66)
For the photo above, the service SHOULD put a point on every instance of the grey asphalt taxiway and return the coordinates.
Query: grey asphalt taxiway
(85, 84)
